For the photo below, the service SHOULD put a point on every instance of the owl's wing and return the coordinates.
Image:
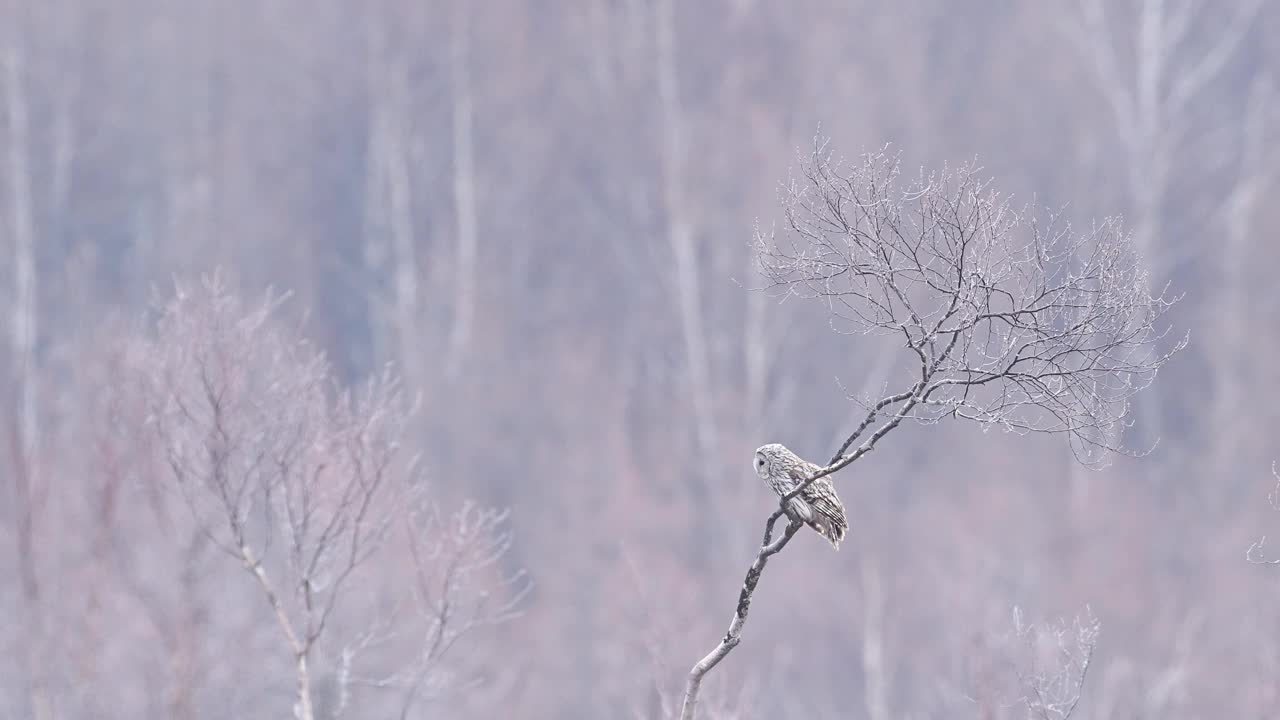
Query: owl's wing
(801, 472)
(821, 495)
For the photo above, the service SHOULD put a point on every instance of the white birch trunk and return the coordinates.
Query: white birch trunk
(23, 328)
(875, 674)
(464, 193)
(1255, 176)
(390, 233)
(24, 313)
(404, 261)
(301, 647)
(680, 237)
(303, 709)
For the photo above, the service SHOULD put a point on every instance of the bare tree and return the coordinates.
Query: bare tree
(1006, 318)
(681, 237)
(1059, 658)
(37, 70)
(25, 314)
(1175, 55)
(1035, 671)
(446, 600)
(1149, 94)
(299, 480)
(464, 187)
(391, 236)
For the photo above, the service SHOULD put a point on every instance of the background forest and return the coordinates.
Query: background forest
(539, 217)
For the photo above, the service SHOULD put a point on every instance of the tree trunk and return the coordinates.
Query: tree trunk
(464, 193)
(688, 277)
(22, 229)
(303, 710)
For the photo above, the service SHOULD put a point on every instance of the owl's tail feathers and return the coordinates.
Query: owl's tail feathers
(832, 531)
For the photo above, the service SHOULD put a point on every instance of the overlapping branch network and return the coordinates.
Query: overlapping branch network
(1011, 319)
(309, 486)
(1014, 319)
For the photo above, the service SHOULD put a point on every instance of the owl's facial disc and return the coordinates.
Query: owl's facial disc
(759, 462)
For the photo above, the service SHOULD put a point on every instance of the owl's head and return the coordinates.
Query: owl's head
(767, 455)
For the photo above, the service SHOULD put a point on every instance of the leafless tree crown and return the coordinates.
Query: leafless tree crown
(1060, 654)
(1010, 319)
(302, 481)
(1016, 319)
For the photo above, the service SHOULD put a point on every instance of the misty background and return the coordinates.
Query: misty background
(539, 216)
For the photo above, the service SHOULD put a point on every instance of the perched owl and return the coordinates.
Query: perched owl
(818, 506)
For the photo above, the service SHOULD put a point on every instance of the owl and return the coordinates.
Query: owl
(818, 506)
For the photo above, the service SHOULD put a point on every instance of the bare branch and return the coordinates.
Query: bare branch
(458, 588)
(1256, 553)
(1060, 657)
(769, 548)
